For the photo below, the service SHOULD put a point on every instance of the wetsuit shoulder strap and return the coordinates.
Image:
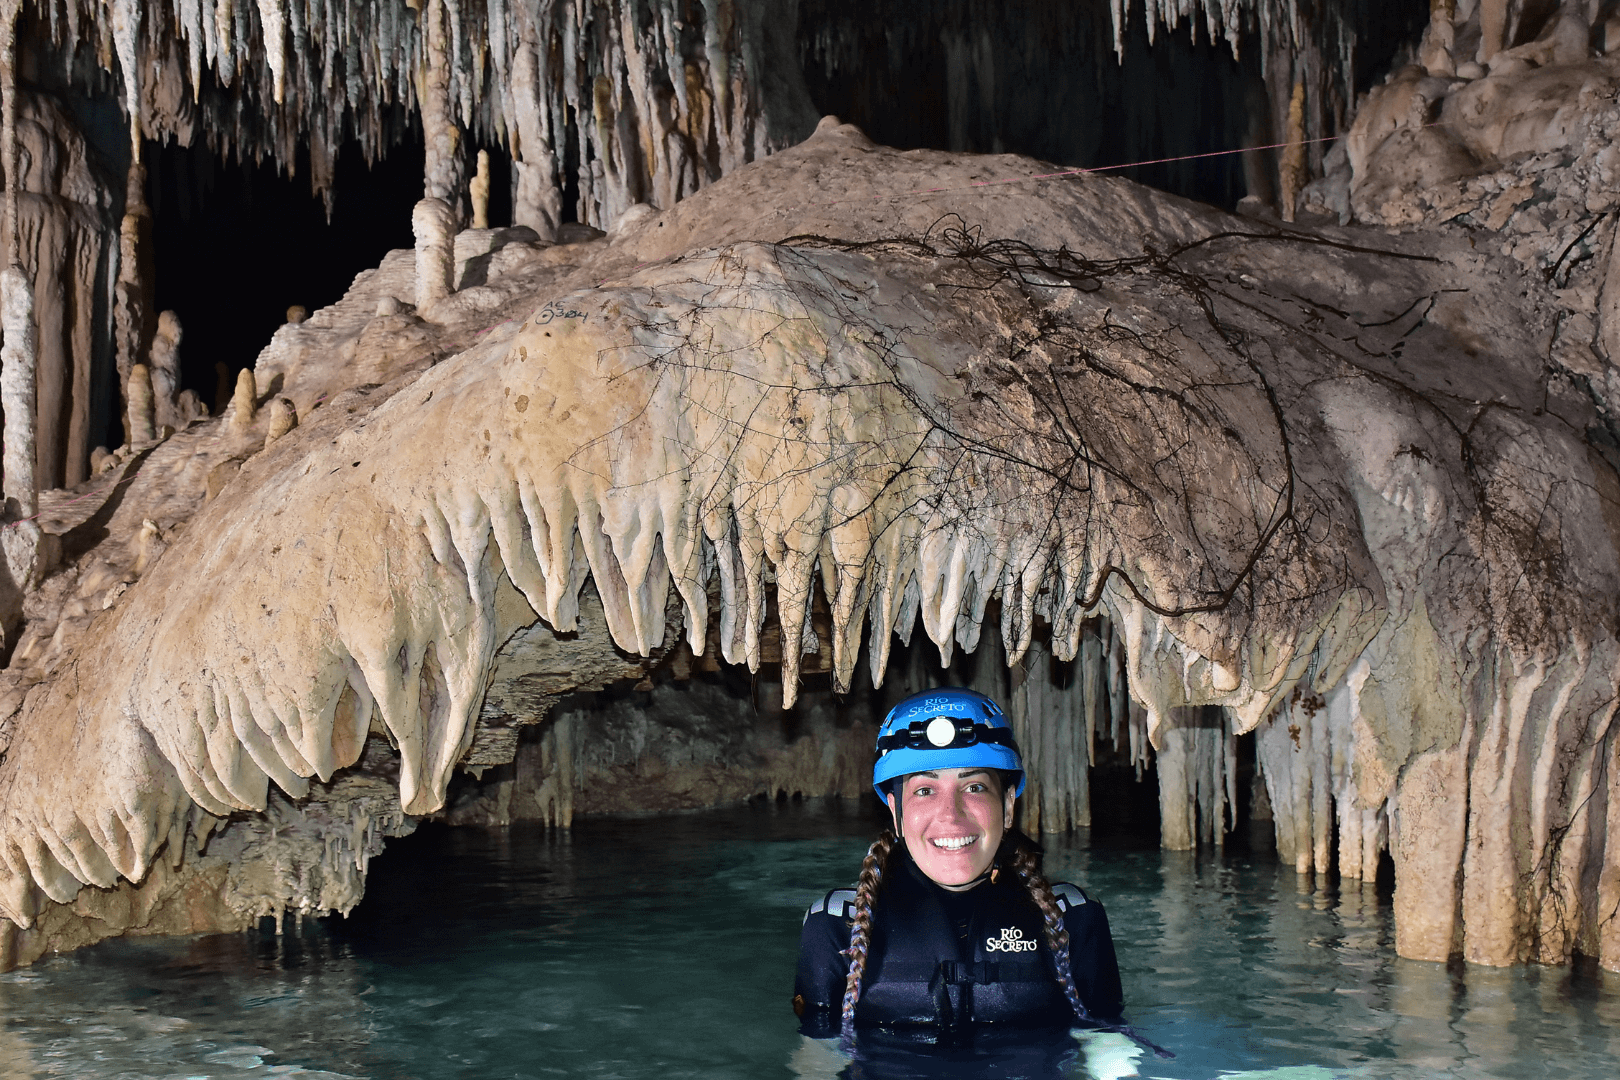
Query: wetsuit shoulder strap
(1068, 896)
(839, 903)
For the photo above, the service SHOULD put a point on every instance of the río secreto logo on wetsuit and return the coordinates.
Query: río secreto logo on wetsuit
(1012, 940)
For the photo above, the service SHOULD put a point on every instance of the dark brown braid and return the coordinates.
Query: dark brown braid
(1026, 864)
(860, 935)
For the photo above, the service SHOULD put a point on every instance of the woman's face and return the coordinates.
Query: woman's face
(952, 821)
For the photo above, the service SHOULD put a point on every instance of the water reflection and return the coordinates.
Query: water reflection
(1246, 968)
(663, 947)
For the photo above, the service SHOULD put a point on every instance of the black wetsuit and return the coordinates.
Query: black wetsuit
(942, 962)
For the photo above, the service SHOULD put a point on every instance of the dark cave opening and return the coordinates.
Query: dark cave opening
(238, 243)
(1037, 79)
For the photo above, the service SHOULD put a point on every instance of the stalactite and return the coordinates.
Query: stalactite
(1197, 778)
(446, 170)
(1048, 706)
(1308, 754)
(659, 110)
(126, 31)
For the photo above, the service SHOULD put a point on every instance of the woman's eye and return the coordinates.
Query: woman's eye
(976, 788)
(918, 792)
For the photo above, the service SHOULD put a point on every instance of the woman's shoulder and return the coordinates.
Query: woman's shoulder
(835, 903)
(1082, 913)
(1069, 895)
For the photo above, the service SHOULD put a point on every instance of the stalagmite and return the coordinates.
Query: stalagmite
(164, 365)
(244, 403)
(130, 313)
(283, 418)
(149, 544)
(435, 226)
(139, 422)
(480, 192)
(17, 394)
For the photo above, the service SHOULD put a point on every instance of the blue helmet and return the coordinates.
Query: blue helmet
(947, 728)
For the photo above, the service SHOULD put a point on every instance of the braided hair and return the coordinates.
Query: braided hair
(1026, 864)
(860, 936)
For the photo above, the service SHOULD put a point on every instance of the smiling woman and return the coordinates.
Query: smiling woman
(953, 932)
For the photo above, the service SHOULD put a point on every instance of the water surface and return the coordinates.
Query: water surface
(663, 947)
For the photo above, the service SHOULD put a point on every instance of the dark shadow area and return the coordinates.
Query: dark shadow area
(238, 243)
(83, 537)
(1042, 79)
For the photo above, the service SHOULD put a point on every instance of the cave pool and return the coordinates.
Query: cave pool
(663, 946)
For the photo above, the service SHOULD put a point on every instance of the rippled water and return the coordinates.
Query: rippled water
(663, 947)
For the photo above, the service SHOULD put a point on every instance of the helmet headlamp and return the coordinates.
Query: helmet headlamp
(947, 728)
(945, 733)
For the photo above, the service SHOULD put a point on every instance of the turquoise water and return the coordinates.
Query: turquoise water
(663, 947)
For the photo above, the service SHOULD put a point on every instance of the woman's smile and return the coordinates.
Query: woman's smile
(952, 843)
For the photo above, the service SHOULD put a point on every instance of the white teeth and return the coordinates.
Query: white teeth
(953, 843)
